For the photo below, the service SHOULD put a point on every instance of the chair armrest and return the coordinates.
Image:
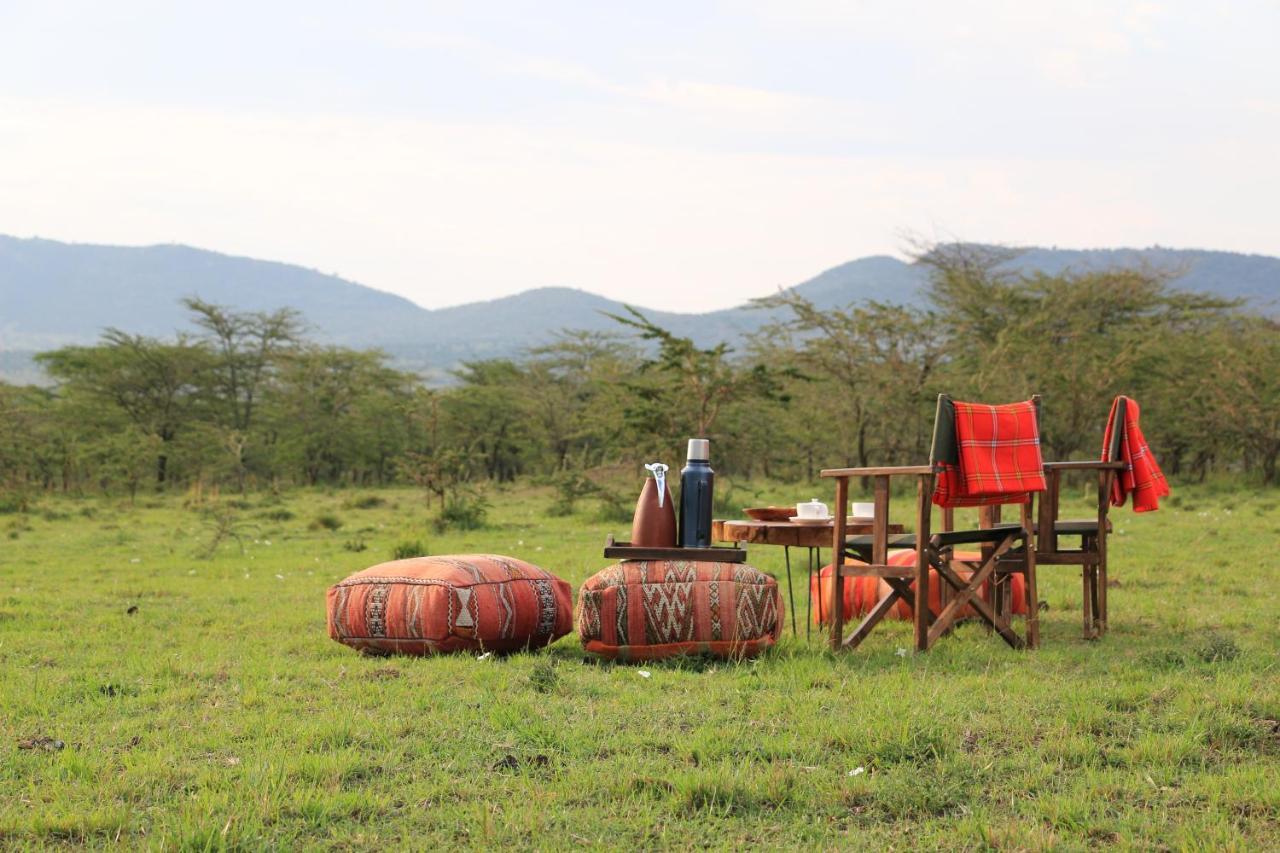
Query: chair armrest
(1084, 465)
(877, 472)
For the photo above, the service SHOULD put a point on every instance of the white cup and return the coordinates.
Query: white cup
(812, 509)
(864, 510)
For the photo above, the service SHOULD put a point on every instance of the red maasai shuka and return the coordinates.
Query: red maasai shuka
(863, 593)
(1141, 476)
(436, 605)
(652, 609)
(1000, 460)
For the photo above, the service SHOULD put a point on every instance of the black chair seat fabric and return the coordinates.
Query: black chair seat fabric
(863, 542)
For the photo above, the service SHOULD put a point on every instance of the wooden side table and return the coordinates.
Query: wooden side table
(788, 534)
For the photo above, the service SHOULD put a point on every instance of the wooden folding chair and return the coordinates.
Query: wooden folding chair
(1006, 549)
(1091, 556)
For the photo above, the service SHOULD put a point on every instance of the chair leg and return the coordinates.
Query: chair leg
(924, 551)
(1086, 575)
(1101, 582)
(1033, 597)
(1097, 593)
(1097, 602)
(987, 516)
(873, 617)
(1002, 598)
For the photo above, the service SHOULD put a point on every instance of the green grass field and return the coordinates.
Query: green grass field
(199, 702)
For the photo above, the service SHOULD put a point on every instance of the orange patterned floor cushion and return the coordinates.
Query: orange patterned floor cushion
(647, 610)
(862, 593)
(435, 605)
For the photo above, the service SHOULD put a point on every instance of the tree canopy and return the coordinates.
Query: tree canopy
(249, 401)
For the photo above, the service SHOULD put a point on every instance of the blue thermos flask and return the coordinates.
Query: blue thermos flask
(697, 481)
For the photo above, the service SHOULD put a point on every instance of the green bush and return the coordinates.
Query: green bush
(1218, 648)
(544, 678)
(326, 521)
(615, 508)
(405, 550)
(463, 512)
(14, 502)
(365, 502)
(571, 487)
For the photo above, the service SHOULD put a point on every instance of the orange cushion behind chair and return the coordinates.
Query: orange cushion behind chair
(862, 594)
(433, 605)
(647, 610)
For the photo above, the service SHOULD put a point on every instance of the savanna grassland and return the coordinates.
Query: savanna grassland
(166, 681)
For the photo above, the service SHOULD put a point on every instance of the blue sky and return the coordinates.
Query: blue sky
(677, 155)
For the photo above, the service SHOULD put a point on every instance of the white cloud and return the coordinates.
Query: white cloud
(685, 167)
(446, 213)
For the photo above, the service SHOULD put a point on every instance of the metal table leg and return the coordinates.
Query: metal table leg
(811, 565)
(817, 568)
(808, 598)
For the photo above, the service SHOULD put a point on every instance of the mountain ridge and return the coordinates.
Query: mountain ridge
(54, 293)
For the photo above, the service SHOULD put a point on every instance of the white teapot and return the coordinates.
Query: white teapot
(812, 509)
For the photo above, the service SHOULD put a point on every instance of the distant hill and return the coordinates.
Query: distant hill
(54, 293)
(1253, 278)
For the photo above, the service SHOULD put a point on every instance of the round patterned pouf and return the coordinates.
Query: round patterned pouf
(652, 609)
(434, 605)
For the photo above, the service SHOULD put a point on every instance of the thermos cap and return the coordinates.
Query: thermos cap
(699, 450)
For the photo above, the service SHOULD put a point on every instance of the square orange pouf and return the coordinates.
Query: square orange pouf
(437, 605)
(647, 610)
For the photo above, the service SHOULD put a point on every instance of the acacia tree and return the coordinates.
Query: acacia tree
(153, 384)
(688, 386)
(574, 387)
(246, 349)
(1076, 337)
(25, 414)
(876, 363)
(487, 416)
(1083, 338)
(1245, 390)
(341, 412)
(247, 346)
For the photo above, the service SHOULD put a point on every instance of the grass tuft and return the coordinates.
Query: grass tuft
(326, 521)
(1217, 647)
(408, 549)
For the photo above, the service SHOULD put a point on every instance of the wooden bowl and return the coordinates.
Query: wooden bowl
(770, 513)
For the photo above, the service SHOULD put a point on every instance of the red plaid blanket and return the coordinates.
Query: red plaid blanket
(1000, 459)
(1141, 476)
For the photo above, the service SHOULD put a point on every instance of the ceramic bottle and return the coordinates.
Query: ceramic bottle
(654, 524)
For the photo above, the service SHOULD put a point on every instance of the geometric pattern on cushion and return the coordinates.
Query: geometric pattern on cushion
(653, 609)
(438, 605)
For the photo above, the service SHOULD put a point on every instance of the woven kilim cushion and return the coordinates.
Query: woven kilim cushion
(435, 605)
(646, 610)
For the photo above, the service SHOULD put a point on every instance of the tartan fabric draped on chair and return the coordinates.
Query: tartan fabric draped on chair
(1124, 442)
(999, 456)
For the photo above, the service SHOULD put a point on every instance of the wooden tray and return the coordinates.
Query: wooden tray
(624, 551)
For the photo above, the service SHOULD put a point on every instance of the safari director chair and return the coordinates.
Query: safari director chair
(981, 456)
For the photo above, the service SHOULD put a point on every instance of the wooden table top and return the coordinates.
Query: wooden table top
(786, 532)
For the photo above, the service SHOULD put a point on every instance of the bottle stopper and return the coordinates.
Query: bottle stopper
(659, 472)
